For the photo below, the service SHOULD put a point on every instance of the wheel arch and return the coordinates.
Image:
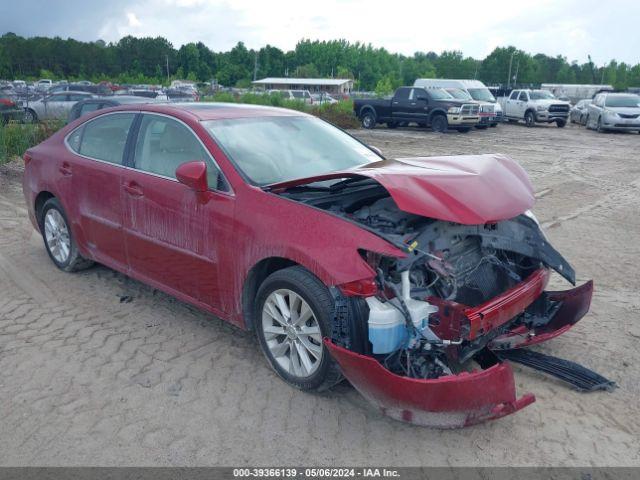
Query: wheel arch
(437, 111)
(256, 275)
(367, 108)
(39, 202)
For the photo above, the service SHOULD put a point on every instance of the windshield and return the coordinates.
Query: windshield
(459, 94)
(481, 94)
(439, 94)
(541, 95)
(276, 149)
(622, 101)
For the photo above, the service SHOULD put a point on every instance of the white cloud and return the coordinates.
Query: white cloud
(572, 28)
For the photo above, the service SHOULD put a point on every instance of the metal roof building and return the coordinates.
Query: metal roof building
(329, 85)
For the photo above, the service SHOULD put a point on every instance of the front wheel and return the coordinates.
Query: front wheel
(439, 124)
(293, 314)
(58, 239)
(368, 120)
(529, 119)
(561, 123)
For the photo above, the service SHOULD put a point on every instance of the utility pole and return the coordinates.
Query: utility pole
(515, 77)
(510, 63)
(255, 67)
(167, 57)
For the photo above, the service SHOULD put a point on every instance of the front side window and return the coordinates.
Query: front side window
(276, 149)
(514, 95)
(164, 144)
(104, 138)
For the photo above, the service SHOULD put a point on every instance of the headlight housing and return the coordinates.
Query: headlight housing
(454, 110)
(610, 113)
(540, 108)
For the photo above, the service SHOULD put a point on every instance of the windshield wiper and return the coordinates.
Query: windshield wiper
(342, 184)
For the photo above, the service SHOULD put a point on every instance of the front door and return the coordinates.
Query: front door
(170, 230)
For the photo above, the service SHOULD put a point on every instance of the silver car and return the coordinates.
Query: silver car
(614, 111)
(578, 113)
(53, 106)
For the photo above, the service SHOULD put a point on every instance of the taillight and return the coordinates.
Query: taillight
(7, 102)
(359, 288)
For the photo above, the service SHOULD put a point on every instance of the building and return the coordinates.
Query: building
(327, 85)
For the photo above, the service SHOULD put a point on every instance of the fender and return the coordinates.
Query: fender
(437, 111)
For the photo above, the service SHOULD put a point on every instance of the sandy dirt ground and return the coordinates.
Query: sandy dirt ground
(97, 369)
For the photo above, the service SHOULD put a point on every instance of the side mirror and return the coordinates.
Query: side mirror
(376, 149)
(193, 175)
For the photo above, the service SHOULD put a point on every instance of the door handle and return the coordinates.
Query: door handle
(133, 189)
(65, 169)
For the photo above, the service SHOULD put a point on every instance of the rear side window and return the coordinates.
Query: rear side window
(88, 107)
(103, 138)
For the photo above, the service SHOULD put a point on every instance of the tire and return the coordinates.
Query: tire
(368, 119)
(30, 116)
(529, 119)
(561, 123)
(324, 372)
(56, 233)
(464, 130)
(439, 124)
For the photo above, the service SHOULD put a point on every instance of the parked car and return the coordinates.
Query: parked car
(302, 95)
(431, 107)
(614, 111)
(9, 109)
(53, 106)
(321, 98)
(535, 106)
(578, 113)
(434, 262)
(89, 105)
(490, 110)
(44, 84)
(100, 89)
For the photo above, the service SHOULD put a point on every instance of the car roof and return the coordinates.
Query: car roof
(216, 111)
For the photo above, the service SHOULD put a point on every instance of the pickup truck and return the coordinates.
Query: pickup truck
(428, 107)
(535, 106)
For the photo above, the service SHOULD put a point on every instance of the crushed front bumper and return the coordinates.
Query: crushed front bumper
(467, 398)
(448, 402)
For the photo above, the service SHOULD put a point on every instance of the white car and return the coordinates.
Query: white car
(56, 106)
(303, 95)
(535, 106)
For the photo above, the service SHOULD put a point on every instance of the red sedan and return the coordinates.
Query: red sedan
(405, 275)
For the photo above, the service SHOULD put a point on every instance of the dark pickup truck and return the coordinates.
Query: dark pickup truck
(432, 107)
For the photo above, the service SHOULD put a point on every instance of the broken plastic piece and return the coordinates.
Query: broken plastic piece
(576, 375)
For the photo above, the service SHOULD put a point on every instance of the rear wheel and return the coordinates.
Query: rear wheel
(293, 314)
(30, 116)
(58, 239)
(368, 119)
(529, 119)
(439, 124)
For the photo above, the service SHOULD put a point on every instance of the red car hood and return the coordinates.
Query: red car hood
(467, 189)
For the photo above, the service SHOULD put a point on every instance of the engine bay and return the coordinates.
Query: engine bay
(430, 316)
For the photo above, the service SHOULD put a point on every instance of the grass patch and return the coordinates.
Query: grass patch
(16, 138)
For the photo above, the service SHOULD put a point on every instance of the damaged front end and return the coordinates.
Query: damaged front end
(419, 341)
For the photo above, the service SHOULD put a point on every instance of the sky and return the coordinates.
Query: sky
(571, 28)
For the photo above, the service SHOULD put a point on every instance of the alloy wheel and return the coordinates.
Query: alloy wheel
(56, 234)
(292, 333)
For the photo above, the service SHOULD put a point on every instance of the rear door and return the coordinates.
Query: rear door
(92, 177)
(400, 104)
(170, 230)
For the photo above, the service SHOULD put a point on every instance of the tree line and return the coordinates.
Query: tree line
(155, 60)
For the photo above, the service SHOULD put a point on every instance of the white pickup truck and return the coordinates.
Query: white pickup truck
(535, 106)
